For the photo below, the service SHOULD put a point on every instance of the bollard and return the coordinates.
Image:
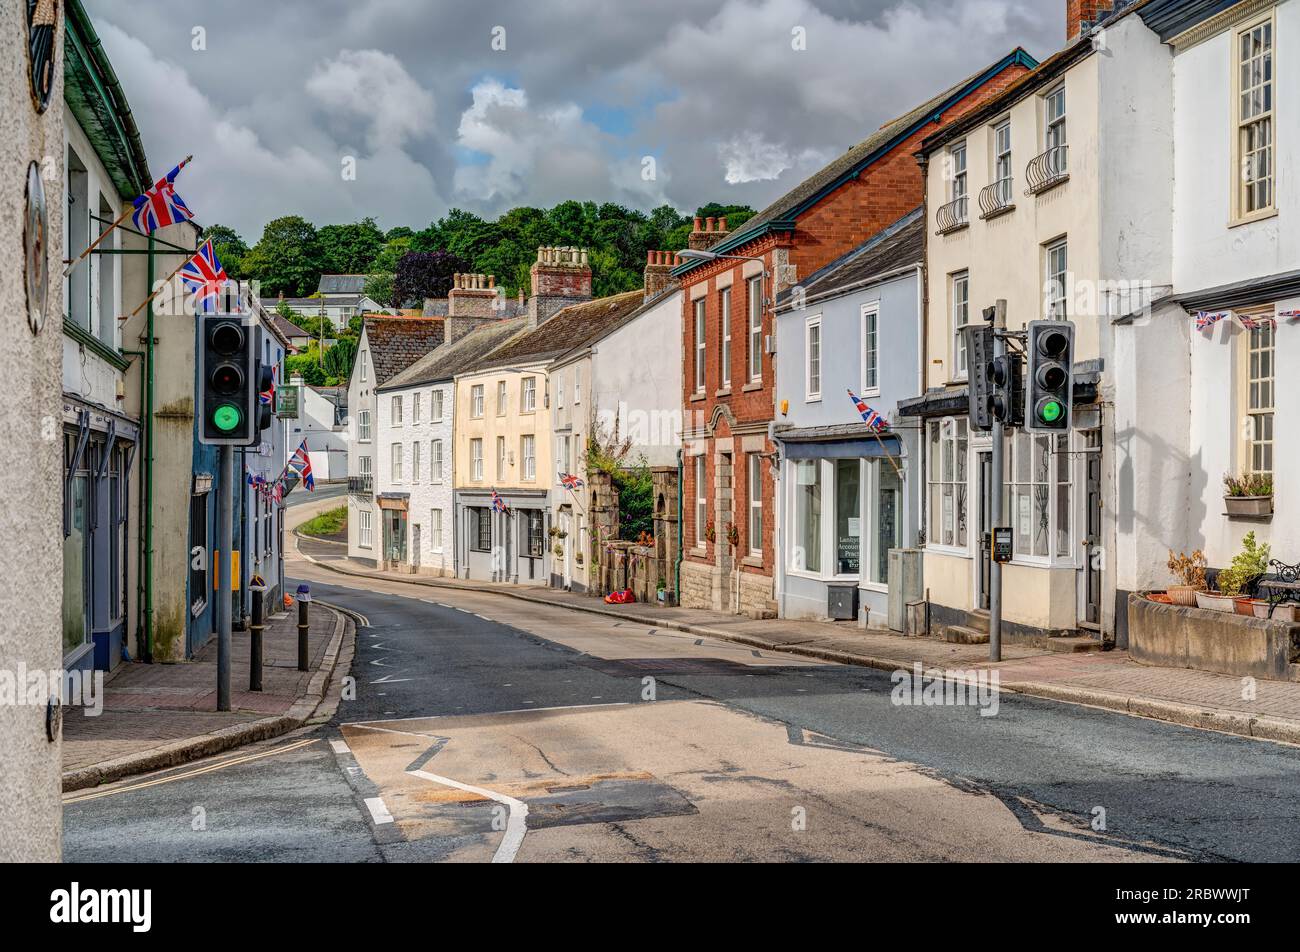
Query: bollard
(304, 600)
(255, 636)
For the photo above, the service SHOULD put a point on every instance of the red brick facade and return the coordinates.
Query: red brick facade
(730, 423)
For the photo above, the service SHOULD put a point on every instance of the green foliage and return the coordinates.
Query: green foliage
(1248, 484)
(380, 286)
(1251, 561)
(307, 366)
(631, 476)
(350, 249)
(331, 522)
(338, 359)
(287, 258)
(230, 248)
(315, 325)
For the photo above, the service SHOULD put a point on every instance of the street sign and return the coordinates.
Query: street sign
(1001, 543)
(286, 401)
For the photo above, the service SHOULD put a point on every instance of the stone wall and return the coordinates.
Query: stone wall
(1212, 641)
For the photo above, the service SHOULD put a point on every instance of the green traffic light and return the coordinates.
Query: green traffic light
(226, 417)
(1050, 411)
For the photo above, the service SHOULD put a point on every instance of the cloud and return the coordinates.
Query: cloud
(715, 92)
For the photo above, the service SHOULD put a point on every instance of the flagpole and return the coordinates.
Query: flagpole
(120, 218)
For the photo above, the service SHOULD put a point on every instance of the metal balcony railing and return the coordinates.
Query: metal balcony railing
(952, 216)
(1047, 170)
(995, 199)
(361, 484)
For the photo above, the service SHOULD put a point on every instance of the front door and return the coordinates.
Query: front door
(415, 546)
(394, 535)
(984, 529)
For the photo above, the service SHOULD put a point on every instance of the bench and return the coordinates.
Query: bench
(1279, 586)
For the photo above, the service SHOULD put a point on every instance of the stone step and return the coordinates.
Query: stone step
(978, 619)
(1070, 645)
(962, 635)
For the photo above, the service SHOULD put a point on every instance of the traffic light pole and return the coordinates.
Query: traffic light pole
(995, 490)
(225, 565)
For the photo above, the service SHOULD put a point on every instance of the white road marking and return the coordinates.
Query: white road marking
(378, 812)
(389, 679)
(521, 710)
(516, 825)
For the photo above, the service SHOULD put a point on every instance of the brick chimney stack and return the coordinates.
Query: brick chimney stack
(560, 277)
(707, 233)
(1080, 12)
(474, 299)
(658, 271)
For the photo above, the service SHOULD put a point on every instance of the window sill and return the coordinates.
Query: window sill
(697, 396)
(753, 561)
(1262, 215)
(870, 392)
(813, 399)
(724, 392)
(752, 386)
(949, 550)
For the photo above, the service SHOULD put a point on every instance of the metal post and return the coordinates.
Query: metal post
(255, 643)
(304, 600)
(995, 504)
(225, 563)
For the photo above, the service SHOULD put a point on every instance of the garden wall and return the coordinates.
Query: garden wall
(1212, 641)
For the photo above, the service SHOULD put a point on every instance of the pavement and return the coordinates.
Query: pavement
(1268, 710)
(159, 715)
(485, 728)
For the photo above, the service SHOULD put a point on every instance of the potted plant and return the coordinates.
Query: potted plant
(1190, 572)
(559, 550)
(710, 533)
(1247, 565)
(1250, 494)
(733, 535)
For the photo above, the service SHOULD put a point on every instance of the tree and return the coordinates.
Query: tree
(350, 249)
(391, 254)
(338, 359)
(426, 274)
(230, 248)
(379, 287)
(307, 366)
(287, 259)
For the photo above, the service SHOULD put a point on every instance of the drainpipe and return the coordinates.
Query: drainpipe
(146, 497)
(681, 536)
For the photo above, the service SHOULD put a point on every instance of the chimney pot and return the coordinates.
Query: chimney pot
(722, 224)
(709, 223)
(699, 223)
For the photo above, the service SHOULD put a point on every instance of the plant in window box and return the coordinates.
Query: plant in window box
(1190, 572)
(710, 533)
(559, 550)
(1250, 494)
(733, 536)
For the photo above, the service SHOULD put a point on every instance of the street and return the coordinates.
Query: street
(488, 728)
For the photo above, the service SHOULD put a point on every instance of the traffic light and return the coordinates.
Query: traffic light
(227, 366)
(265, 396)
(1006, 396)
(979, 355)
(1051, 378)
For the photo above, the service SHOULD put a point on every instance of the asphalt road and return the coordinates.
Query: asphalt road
(487, 728)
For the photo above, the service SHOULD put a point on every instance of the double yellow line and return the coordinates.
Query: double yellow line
(234, 761)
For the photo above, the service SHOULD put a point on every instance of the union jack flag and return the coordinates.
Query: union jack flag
(1290, 315)
(570, 482)
(268, 395)
(1254, 323)
(300, 463)
(869, 416)
(1206, 319)
(160, 206)
(498, 503)
(203, 275)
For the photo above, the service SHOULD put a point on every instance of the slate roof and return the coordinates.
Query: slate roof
(627, 318)
(285, 328)
(342, 283)
(397, 342)
(459, 356)
(875, 146)
(899, 245)
(439, 307)
(568, 328)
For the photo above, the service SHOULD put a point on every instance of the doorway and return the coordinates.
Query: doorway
(1090, 616)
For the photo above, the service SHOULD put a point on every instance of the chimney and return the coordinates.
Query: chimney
(707, 233)
(560, 277)
(658, 271)
(1083, 15)
(474, 300)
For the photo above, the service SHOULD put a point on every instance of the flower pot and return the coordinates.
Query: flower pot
(1161, 597)
(1244, 606)
(1248, 505)
(1286, 611)
(1182, 595)
(1213, 602)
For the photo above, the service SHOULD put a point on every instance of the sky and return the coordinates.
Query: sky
(401, 109)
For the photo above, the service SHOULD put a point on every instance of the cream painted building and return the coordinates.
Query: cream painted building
(1054, 197)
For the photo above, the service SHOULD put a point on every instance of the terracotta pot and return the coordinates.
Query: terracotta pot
(1244, 606)
(1160, 597)
(1215, 603)
(1182, 595)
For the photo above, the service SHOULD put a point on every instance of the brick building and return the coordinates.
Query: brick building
(730, 502)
